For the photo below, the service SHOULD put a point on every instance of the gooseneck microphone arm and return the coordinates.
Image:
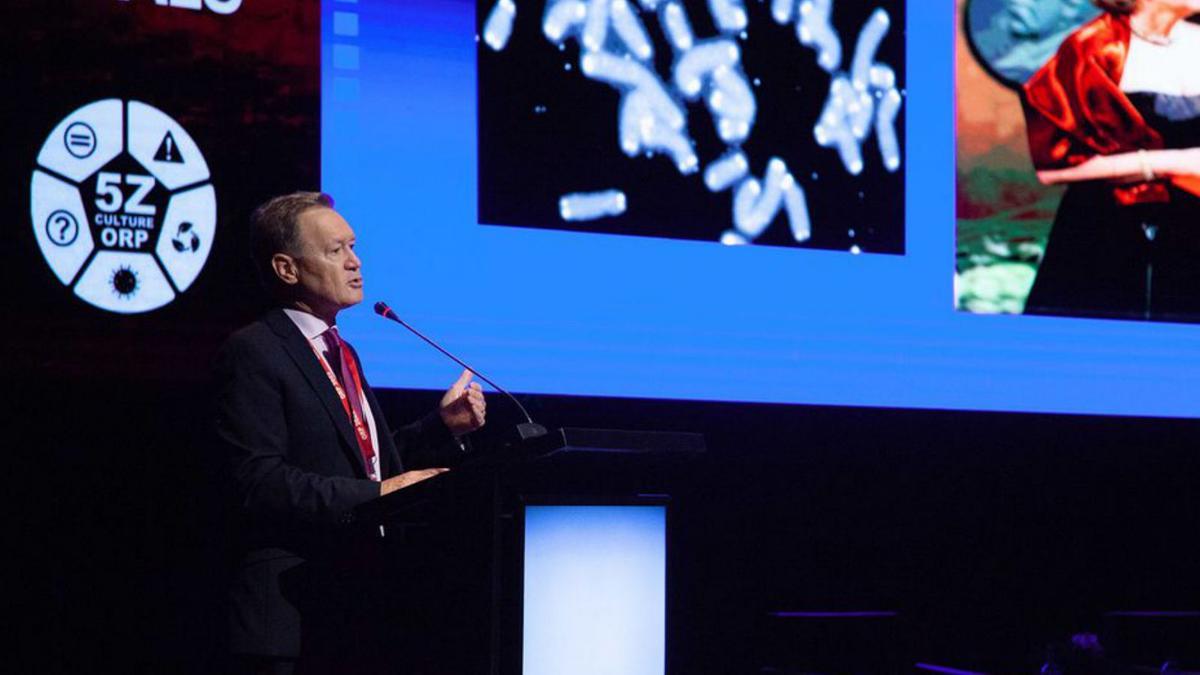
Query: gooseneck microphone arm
(382, 309)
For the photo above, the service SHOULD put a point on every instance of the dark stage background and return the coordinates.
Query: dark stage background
(991, 534)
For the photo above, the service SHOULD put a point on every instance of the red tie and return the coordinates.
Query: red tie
(341, 360)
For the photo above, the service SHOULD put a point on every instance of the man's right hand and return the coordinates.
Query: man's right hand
(407, 478)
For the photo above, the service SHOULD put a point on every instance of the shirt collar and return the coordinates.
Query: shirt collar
(312, 327)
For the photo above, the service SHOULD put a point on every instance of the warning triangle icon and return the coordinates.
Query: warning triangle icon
(168, 150)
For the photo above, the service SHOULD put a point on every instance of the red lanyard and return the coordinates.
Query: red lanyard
(361, 431)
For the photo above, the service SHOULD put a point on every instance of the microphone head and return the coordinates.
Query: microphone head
(382, 309)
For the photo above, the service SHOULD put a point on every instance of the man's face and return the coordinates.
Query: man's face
(328, 272)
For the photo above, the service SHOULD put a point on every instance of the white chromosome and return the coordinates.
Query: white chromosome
(880, 76)
(499, 25)
(726, 171)
(867, 93)
(563, 17)
(885, 129)
(591, 205)
(702, 60)
(814, 29)
(843, 122)
(677, 26)
(595, 27)
(755, 205)
(729, 15)
(732, 104)
(642, 127)
(730, 99)
(869, 39)
(781, 10)
(630, 30)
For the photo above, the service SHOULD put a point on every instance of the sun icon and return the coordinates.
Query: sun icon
(124, 281)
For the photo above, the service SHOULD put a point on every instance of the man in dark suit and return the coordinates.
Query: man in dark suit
(306, 442)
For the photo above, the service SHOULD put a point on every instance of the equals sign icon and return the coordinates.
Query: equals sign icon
(81, 140)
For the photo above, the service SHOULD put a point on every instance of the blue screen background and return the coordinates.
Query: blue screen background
(604, 315)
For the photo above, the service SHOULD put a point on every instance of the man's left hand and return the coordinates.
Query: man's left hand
(463, 408)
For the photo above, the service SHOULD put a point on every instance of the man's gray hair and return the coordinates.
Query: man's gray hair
(274, 228)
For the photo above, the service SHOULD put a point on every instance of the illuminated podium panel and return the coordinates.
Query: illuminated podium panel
(561, 550)
(594, 589)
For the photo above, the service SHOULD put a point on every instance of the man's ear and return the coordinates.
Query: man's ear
(285, 268)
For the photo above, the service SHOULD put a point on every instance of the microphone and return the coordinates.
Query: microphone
(527, 430)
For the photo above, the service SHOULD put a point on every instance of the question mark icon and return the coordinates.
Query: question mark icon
(62, 228)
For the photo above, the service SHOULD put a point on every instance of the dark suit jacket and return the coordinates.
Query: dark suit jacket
(296, 472)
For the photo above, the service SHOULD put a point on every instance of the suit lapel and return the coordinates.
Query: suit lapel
(302, 355)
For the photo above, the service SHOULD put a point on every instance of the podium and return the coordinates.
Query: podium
(553, 552)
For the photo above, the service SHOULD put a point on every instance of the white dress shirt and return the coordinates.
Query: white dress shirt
(313, 328)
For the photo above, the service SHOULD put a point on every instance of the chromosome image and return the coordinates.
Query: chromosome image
(777, 123)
